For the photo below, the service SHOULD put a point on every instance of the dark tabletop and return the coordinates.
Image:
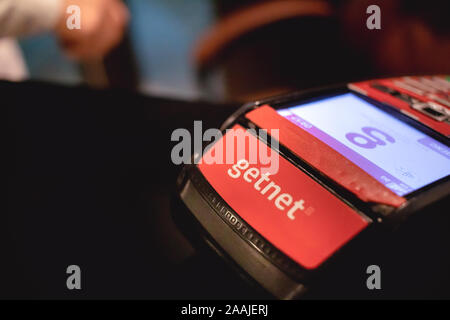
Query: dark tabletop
(89, 179)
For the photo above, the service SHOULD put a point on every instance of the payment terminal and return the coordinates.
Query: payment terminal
(295, 179)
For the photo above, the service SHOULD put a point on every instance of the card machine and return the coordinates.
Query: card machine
(313, 171)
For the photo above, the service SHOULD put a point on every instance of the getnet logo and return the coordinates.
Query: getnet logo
(272, 186)
(263, 184)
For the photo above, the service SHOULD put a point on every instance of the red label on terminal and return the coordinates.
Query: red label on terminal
(287, 207)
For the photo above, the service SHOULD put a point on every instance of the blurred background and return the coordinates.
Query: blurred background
(239, 50)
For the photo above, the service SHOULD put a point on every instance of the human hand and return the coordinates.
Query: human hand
(102, 25)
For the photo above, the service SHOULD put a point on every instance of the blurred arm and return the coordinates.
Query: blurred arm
(22, 17)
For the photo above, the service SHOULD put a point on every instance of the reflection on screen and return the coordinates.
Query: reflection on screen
(401, 157)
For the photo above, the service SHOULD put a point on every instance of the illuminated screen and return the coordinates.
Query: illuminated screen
(401, 157)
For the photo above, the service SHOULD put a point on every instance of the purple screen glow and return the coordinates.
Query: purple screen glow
(401, 157)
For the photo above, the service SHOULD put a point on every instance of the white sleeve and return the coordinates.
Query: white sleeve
(22, 17)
